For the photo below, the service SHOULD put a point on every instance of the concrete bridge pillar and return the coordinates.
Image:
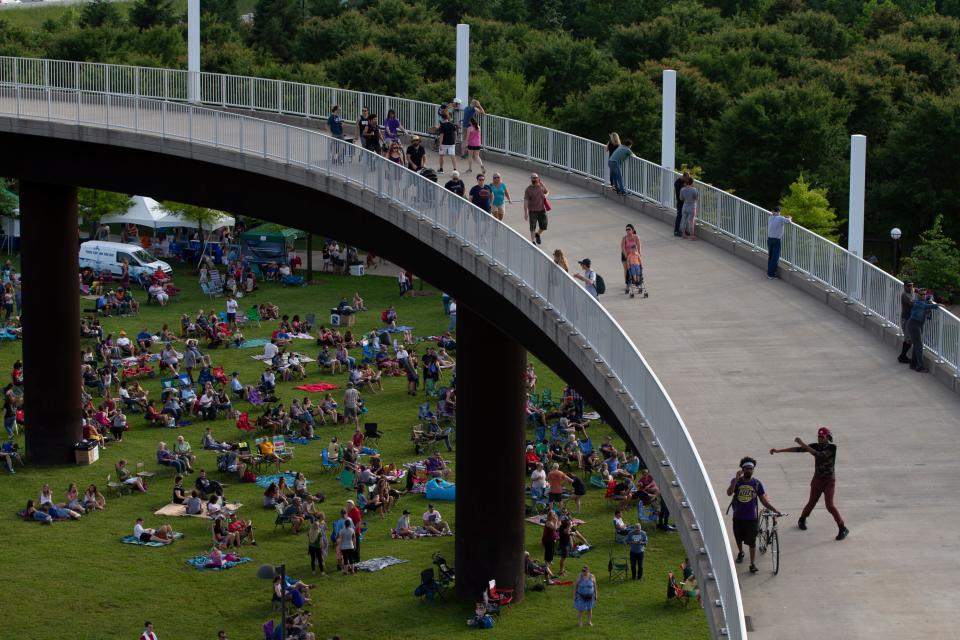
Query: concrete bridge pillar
(491, 407)
(51, 317)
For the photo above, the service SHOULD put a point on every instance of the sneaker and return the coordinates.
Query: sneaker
(921, 370)
(903, 359)
(627, 290)
(802, 524)
(843, 533)
(771, 278)
(537, 236)
(740, 557)
(439, 170)
(753, 568)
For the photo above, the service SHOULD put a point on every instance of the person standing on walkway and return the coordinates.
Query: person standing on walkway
(470, 113)
(535, 207)
(775, 226)
(637, 539)
(588, 276)
(474, 145)
(690, 196)
(747, 491)
(906, 305)
(611, 147)
(627, 244)
(500, 194)
(918, 315)
(585, 595)
(615, 163)
(448, 142)
(335, 123)
(677, 187)
(824, 482)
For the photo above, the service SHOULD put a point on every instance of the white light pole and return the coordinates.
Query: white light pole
(193, 50)
(858, 177)
(463, 64)
(668, 133)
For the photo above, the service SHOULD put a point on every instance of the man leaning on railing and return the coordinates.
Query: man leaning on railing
(775, 227)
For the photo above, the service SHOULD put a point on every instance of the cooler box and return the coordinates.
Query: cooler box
(356, 269)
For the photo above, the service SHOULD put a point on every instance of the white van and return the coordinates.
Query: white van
(108, 256)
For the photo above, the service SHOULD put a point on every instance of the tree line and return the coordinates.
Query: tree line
(768, 90)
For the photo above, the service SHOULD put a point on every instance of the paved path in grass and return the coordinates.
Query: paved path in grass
(753, 363)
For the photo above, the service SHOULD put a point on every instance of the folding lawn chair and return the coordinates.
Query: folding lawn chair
(371, 433)
(445, 572)
(495, 599)
(617, 568)
(428, 586)
(243, 422)
(253, 315)
(325, 459)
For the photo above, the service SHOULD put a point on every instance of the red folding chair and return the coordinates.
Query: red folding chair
(243, 422)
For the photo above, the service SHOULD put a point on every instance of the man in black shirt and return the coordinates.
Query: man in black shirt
(480, 194)
(906, 307)
(415, 154)
(448, 142)
(823, 483)
(455, 184)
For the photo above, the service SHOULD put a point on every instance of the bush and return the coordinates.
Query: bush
(935, 263)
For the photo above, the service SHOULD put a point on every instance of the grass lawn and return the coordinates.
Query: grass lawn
(77, 575)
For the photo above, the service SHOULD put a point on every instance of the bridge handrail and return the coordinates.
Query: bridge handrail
(820, 259)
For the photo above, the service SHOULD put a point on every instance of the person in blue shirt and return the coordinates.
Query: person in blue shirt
(335, 123)
(145, 340)
(616, 162)
(637, 539)
(918, 315)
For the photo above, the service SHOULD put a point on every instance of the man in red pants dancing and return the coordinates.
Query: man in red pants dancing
(823, 482)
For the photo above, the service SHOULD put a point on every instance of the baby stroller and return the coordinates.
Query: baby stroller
(635, 282)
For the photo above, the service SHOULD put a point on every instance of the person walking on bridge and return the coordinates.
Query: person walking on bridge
(535, 207)
(823, 482)
(747, 491)
(918, 316)
(906, 306)
(617, 158)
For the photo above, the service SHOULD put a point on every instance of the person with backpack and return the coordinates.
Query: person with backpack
(746, 491)
(585, 595)
(591, 281)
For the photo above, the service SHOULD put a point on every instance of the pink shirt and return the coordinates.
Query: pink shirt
(473, 137)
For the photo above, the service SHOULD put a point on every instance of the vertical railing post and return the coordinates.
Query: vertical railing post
(223, 89)
(241, 133)
(306, 100)
(163, 119)
(286, 144)
(250, 105)
(216, 129)
(550, 149)
(280, 96)
(569, 153)
(529, 139)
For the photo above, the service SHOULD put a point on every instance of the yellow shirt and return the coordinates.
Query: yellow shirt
(266, 447)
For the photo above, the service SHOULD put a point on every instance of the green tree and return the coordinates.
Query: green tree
(151, 13)
(9, 202)
(321, 39)
(203, 216)
(567, 65)
(377, 71)
(509, 94)
(809, 208)
(95, 204)
(935, 262)
(224, 11)
(276, 24)
(99, 13)
(771, 135)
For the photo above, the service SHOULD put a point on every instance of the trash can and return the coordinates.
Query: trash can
(86, 452)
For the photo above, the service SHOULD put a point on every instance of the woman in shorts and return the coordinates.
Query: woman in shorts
(474, 145)
(500, 193)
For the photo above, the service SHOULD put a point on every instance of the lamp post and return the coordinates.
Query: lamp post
(269, 572)
(895, 235)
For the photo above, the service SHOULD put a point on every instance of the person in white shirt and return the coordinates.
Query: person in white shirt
(538, 481)
(588, 277)
(126, 347)
(232, 312)
(619, 526)
(156, 292)
(434, 523)
(270, 350)
(163, 535)
(453, 316)
(403, 526)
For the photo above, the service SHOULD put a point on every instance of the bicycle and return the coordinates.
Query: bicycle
(768, 538)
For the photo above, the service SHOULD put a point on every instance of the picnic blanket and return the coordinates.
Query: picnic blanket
(317, 387)
(376, 564)
(134, 540)
(303, 440)
(266, 481)
(400, 329)
(253, 343)
(263, 358)
(302, 336)
(173, 510)
(540, 520)
(200, 562)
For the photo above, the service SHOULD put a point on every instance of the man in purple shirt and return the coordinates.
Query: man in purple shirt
(746, 491)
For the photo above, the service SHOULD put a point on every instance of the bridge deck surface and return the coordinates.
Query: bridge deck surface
(753, 363)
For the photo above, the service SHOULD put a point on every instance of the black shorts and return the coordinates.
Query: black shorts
(349, 555)
(745, 531)
(231, 317)
(548, 550)
(474, 147)
(556, 497)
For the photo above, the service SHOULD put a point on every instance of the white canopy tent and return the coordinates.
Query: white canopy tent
(145, 212)
(174, 220)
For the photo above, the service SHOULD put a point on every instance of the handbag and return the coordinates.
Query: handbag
(546, 204)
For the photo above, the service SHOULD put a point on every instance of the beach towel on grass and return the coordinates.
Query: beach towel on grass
(303, 359)
(201, 561)
(173, 510)
(303, 440)
(317, 387)
(266, 481)
(253, 343)
(134, 540)
(402, 328)
(376, 564)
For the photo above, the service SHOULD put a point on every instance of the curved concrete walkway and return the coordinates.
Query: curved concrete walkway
(753, 363)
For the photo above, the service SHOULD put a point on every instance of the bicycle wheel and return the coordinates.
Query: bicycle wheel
(763, 538)
(775, 551)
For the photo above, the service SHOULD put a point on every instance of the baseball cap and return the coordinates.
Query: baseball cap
(824, 431)
(415, 139)
(585, 262)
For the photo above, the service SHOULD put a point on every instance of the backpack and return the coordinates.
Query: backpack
(383, 316)
(601, 285)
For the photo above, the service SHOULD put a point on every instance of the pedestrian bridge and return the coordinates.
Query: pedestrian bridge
(748, 363)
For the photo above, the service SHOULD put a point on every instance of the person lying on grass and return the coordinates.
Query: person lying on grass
(163, 534)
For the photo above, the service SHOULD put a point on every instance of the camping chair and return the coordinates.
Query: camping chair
(539, 502)
(546, 400)
(370, 432)
(219, 375)
(617, 568)
(347, 479)
(369, 355)
(293, 281)
(268, 628)
(311, 319)
(144, 474)
(419, 438)
(243, 422)
(281, 449)
(675, 591)
(205, 376)
(254, 397)
(494, 599)
(540, 433)
(325, 459)
(253, 315)
(281, 520)
(445, 572)
(117, 487)
(423, 412)
(428, 586)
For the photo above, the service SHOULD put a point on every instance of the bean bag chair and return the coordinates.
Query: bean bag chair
(438, 489)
